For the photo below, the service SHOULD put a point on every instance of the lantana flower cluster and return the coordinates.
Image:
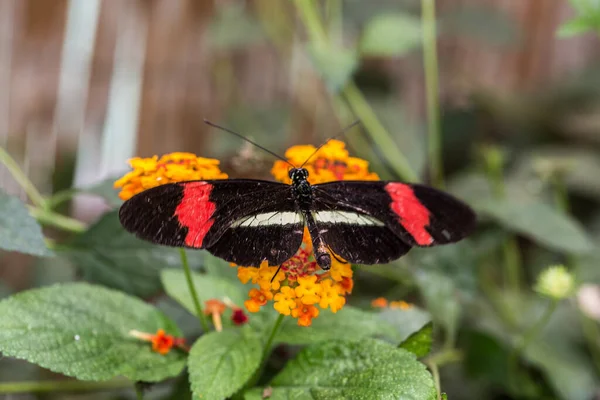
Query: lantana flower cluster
(174, 167)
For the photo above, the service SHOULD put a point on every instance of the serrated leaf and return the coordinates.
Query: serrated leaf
(349, 323)
(575, 27)
(391, 35)
(220, 363)
(366, 369)
(19, 231)
(82, 330)
(335, 65)
(540, 222)
(419, 343)
(207, 287)
(110, 255)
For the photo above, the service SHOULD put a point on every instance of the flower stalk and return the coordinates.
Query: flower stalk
(17, 173)
(188, 277)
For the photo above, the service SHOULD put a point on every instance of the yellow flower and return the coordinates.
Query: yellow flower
(331, 296)
(267, 278)
(331, 163)
(400, 304)
(285, 300)
(308, 290)
(174, 167)
(340, 271)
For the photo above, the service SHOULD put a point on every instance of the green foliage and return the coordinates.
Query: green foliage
(366, 369)
(539, 222)
(109, 255)
(349, 323)
(207, 287)
(388, 35)
(420, 342)
(587, 20)
(18, 230)
(82, 330)
(334, 65)
(220, 363)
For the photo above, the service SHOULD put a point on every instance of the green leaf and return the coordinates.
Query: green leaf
(540, 222)
(19, 231)
(575, 27)
(388, 35)
(419, 343)
(220, 363)
(106, 190)
(441, 298)
(335, 65)
(207, 287)
(349, 323)
(365, 369)
(82, 330)
(110, 255)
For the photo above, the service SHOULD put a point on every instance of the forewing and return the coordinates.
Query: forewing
(416, 215)
(211, 215)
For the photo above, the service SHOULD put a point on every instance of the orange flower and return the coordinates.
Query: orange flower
(162, 343)
(380, 302)
(258, 298)
(305, 313)
(331, 296)
(215, 308)
(174, 167)
(308, 290)
(285, 300)
(401, 304)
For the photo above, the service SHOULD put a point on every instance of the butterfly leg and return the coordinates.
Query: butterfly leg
(322, 257)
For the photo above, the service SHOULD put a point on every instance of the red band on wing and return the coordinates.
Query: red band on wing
(195, 210)
(414, 216)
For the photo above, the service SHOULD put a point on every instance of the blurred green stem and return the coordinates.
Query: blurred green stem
(60, 197)
(430, 62)
(494, 162)
(527, 337)
(47, 217)
(309, 15)
(193, 293)
(436, 379)
(62, 386)
(22, 179)
(139, 392)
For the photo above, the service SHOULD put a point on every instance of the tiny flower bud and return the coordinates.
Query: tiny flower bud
(555, 282)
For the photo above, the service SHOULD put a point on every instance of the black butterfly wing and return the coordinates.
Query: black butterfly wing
(375, 222)
(243, 221)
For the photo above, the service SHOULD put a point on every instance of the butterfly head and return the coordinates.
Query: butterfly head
(298, 175)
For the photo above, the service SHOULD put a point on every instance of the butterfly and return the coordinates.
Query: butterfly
(248, 221)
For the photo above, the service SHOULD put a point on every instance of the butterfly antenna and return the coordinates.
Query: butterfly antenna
(207, 122)
(274, 275)
(346, 129)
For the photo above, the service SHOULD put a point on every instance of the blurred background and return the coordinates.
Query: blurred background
(85, 85)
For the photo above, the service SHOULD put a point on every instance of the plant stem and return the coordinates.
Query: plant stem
(378, 133)
(317, 34)
(272, 337)
(534, 331)
(62, 386)
(47, 217)
(430, 62)
(139, 392)
(436, 379)
(60, 197)
(22, 179)
(193, 293)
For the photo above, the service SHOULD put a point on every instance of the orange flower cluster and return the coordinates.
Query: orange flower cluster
(174, 167)
(382, 302)
(331, 163)
(296, 290)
